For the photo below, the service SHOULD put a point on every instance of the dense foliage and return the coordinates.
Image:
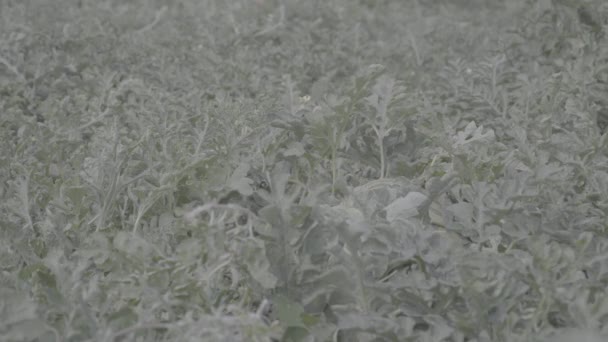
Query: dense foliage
(320, 170)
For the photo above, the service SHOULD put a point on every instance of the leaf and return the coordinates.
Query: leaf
(436, 214)
(405, 207)
(309, 320)
(133, 246)
(272, 215)
(471, 134)
(295, 149)
(295, 334)
(254, 257)
(571, 334)
(463, 213)
(96, 247)
(242, 186)
(38, 274)
(189, 250)
(366, 322)
(25, 330)
(339, 281)
(123, 318)
(318, 239)
(238, 180)
(384, 93)
(76, 193)
(17, 307)
(289, 312)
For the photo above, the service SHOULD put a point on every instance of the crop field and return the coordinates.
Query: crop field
(304, 170)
